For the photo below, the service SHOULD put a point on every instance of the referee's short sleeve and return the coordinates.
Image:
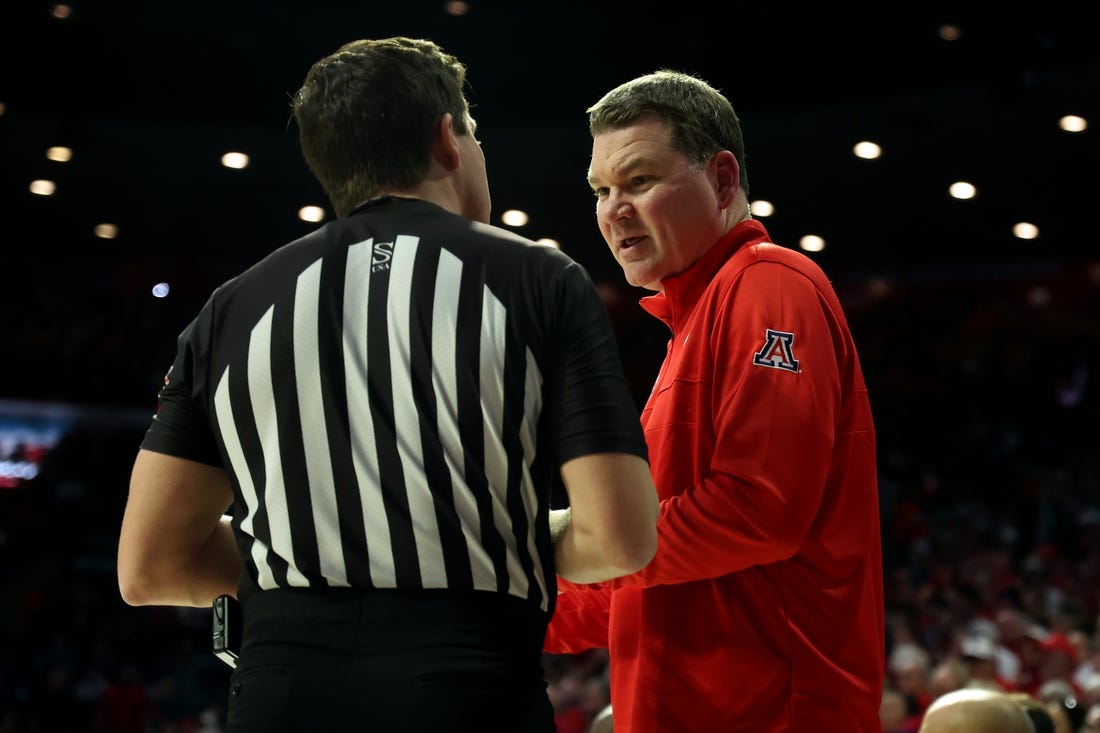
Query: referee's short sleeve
(181, 426)
(597, 412)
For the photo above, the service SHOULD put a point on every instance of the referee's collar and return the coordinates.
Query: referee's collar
(383, 199)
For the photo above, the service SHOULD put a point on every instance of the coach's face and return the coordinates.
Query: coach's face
(657, 212)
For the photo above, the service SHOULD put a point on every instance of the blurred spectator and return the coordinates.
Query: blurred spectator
(1059, 661)
(1091, 723)
(950, 674)
(980, 656)
(578, 687)
(1090, 690)
(1007, 661)
(898, 713)
(909, 666)
(123, 706)
(1017, 635)
(1060, 695)
(595, 694)
(1066, 720)
(1086, 658)
(602, 722)
(976, 711)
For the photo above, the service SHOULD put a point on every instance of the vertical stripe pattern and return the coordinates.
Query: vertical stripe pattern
(312, 418)
(386, 441)
(361, 437)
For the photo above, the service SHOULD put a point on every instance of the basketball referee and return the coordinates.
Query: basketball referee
(360, 435)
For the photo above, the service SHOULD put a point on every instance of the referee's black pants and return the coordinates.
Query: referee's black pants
(431, 661)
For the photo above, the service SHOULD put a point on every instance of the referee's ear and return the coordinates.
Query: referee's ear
(445, 147)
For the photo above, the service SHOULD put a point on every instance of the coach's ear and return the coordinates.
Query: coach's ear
(725, 176)
(445, 147)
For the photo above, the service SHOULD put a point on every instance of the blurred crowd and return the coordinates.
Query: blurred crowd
(986, 406)
(990, 481)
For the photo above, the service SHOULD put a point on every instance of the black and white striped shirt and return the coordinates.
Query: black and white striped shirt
(392, 396)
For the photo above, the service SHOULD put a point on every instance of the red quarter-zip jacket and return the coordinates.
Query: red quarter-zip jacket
(762, 610)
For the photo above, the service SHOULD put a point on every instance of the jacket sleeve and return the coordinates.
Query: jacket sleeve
(774, 388)
(580, 619)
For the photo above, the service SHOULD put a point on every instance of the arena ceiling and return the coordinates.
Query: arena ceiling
(149, 95)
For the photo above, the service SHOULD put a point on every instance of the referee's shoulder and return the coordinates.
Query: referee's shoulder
(519, 245)
(285, 261)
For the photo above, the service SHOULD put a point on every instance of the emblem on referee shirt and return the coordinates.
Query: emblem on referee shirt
(777, 352)
(381, 255)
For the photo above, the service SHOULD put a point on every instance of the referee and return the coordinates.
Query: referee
(360, 434)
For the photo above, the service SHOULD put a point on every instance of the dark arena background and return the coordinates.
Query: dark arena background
(964, 248)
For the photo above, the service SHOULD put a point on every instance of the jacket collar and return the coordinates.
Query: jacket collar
(681, 292)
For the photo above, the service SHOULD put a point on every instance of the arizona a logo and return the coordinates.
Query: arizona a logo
(777, 352)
